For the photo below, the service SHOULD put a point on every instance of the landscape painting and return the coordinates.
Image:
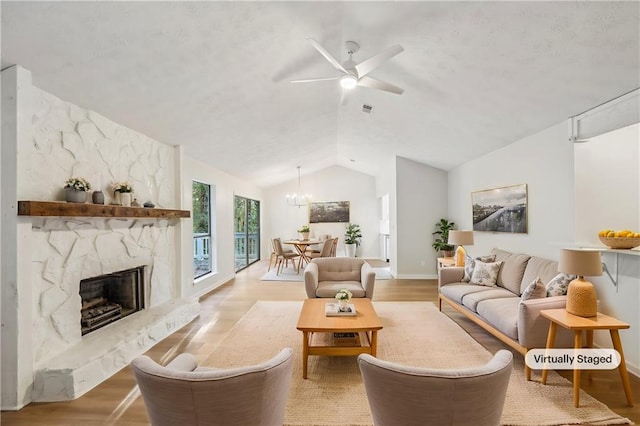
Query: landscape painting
(333, 211)
(500, 209)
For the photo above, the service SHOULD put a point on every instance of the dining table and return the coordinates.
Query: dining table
(301, 247)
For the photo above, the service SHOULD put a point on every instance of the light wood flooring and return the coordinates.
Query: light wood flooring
(117, 401)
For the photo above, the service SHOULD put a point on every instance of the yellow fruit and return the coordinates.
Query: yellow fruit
(611, 234)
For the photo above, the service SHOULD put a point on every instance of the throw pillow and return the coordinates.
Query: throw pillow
(470, 262)
(559, 284)
(485, 273)
(535, 290)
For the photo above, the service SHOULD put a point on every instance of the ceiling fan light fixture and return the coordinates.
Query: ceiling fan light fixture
(348, 81)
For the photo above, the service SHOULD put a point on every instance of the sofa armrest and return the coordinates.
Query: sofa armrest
(449, 275)
(368, 279)
(534, 328)
(311, 280)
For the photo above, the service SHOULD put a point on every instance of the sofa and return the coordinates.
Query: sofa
(325, 276)
(501, 308)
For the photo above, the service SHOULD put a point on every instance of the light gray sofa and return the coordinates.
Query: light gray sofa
(325, 276)
(499, 310)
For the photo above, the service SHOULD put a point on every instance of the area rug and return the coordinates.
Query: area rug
(414, 333)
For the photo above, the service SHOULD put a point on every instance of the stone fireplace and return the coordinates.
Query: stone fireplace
(111, 297)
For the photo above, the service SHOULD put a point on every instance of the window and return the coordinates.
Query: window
(202, 236)
(246, 231)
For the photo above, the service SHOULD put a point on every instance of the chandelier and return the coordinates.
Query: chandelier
(297, 199)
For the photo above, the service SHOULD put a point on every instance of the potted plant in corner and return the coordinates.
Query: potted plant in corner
(441, 244)
(352, 239)
(304, 232)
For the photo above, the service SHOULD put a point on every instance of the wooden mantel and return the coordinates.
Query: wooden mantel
(56, 208)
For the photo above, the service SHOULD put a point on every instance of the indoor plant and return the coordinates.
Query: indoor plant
(75, 190)
(441, 244)
(352, 239)
(304, 232)
(122, 193)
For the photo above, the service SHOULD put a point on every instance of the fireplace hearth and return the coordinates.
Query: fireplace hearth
(111, 297)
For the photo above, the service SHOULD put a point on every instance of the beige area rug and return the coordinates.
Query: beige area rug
(415, 333)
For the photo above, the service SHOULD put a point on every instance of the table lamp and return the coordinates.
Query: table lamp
(460, 238)
(581, 295)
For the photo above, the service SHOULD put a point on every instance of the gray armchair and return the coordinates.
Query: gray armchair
(412, 396)
(184, 394)
(325, 276)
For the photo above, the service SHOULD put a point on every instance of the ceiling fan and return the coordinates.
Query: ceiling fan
(356, 74)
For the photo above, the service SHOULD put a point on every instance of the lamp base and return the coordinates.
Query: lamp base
(461, 253)
(581, 298)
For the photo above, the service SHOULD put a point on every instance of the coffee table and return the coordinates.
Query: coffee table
(313, 320)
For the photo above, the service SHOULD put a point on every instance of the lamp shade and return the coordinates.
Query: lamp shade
(460, 238)
(580, 262)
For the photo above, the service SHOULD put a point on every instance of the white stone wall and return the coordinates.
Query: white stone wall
(69, 141)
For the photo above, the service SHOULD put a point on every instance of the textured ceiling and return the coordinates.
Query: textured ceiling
(214, 76)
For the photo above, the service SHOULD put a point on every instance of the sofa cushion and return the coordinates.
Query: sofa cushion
(501, 313)
(330, 288)
(339, 269)
(559, 284)
(471, 300)
(470, 263)
(535, 290)
(500, 255)
(485, 273)
(456, 292)
(539, 267)
(512, 271)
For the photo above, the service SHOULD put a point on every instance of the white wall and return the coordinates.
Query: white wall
(545, 162)
(421, 197)
(607, 195)
(226, 186)
(331, 184)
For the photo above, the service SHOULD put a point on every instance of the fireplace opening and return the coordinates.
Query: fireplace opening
(111, 297)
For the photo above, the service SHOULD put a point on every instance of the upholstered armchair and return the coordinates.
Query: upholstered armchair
(324, 276)
(182, 393)
(413, 396)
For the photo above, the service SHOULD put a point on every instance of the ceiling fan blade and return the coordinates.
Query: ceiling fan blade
(368, 65)
(327, 55)
(311, 80)
(380, 85)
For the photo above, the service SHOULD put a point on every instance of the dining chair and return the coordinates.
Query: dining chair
(283, 256)
(324, 252)
(274, 256)
(334, 248)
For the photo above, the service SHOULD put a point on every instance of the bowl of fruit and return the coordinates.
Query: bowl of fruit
(624, 239)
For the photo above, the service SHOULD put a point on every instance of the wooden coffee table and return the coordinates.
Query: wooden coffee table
(313, 320)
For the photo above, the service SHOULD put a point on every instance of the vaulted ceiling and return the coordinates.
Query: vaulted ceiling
(214, 76)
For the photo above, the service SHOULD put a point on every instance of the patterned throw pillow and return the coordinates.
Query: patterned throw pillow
(535, 290)
(559, 284)
(470, 263)
(485, 273)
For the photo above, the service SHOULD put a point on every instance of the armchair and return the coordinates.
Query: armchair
(324, 276)
(414, 396)
(182, 393)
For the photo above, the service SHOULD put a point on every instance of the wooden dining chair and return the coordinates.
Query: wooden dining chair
(324, 252)
(283, 256)
(334, 247)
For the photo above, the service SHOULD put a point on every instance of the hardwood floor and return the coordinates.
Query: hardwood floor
(117, 401)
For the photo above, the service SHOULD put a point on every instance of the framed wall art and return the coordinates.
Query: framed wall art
(500, 209)
(332, 211)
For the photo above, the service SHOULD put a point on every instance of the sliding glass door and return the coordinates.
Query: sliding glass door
(246, 231)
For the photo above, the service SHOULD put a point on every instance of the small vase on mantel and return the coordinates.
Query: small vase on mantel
(97, 197)
(125, 199)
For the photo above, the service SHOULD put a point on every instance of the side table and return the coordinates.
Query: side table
(560, 317)
(444, 262)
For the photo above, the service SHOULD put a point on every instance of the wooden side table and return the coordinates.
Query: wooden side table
(444, 262)
(560, 317)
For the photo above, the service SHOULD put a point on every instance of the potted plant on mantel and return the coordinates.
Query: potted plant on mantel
(75, 190)
(441, 242)
(352, 239)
